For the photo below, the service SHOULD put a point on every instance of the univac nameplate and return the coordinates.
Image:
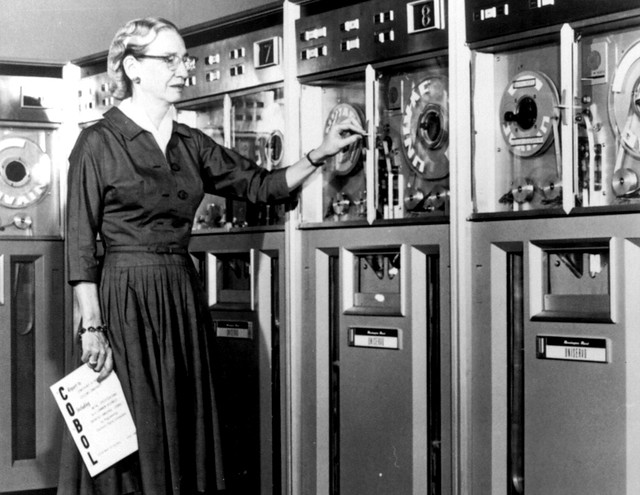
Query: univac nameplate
(376, 338)
(594, 350)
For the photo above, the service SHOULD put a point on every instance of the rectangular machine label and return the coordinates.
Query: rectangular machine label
(234, 329)
(572, 349)
(376, 338)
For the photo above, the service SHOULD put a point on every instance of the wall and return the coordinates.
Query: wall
(63, 30)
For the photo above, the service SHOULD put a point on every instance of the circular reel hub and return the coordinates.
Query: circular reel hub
(527, 109)
(25, 173)
(425, 128)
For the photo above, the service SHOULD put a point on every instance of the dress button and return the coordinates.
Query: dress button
(175, 167)
(182, 194)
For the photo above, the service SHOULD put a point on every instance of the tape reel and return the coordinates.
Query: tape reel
(25, 173)
(275, 149)
(527, 109)
(624, 101)
(271, 140)
(347, 159)
(624, 116)
(425, 128)
(271, 150)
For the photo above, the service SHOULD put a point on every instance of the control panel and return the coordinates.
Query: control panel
(249, 60)
(371, 31)
(487, 19)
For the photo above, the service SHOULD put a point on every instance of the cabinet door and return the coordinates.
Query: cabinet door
(31, 359)
(244, 277)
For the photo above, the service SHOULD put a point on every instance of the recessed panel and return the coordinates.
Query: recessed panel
(517, 153)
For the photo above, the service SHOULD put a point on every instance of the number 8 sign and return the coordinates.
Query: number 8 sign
(424, 15)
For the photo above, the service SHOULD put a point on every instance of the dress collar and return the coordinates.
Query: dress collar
(129, 129)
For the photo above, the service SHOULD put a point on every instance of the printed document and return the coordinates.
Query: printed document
(98, 417)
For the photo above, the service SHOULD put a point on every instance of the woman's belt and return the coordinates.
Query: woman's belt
(157, 249)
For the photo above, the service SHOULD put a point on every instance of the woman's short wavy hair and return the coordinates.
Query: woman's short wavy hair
(131, 39)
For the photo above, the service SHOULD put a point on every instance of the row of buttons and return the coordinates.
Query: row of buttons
(347, 26)
(502, 10)
(214, 75)
(346, 45)
(234, 54)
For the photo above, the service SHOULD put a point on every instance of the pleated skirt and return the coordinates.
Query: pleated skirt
(160, 333)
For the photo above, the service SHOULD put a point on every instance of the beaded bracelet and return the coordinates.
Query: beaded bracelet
(315, 164)
(103, 329)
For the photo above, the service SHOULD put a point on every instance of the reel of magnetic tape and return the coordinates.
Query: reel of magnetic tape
(624, 114)
(413, 144)
(257, 133)
(344, 192)
(609, 121)
(27, 183)
(529, 123)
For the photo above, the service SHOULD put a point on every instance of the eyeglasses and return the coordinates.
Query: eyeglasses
(173, 61)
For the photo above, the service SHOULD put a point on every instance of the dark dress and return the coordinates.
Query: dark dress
(121, 185)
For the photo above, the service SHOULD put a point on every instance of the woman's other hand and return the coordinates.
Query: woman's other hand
(97, 353)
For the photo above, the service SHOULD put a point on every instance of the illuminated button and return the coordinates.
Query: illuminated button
(384, 36)
(348, 45)
(236, 70)
(382, 17)
(212, 59)
(350, 25)
(314, 34)
(315, 52)
(214, 75)
(236, 53)
(182, 194)
(175, 167)
(490, 13)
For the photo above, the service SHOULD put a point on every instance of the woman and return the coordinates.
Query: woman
(136, 178)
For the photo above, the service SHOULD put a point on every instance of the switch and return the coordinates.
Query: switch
(382, 17)
(314, 34)
(237, 70)
(213, 75)
(350, 25)
(384, 36)
(350, 44)
(236, 53)
(315, 52)
(490, 13)
(212, 59)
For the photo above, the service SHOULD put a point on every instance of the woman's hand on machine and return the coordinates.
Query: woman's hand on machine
(340, 136)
